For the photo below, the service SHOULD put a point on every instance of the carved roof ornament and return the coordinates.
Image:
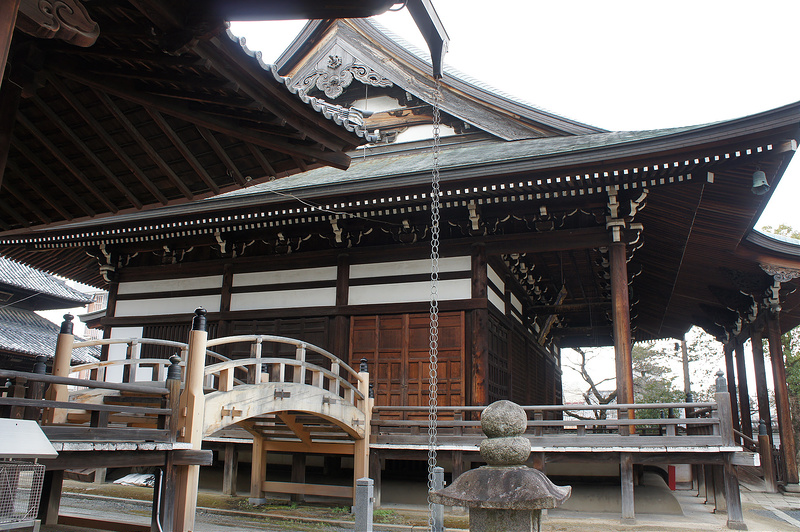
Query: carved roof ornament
(334, 73)
(780, 273)
(66, 20)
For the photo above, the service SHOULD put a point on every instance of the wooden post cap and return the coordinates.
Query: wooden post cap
(67, 325)
(199, 320)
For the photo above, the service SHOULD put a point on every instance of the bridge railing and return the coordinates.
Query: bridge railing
(310, 365)
(129, 369)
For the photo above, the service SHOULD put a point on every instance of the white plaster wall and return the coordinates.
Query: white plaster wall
(172, 305)
(312, 297)
(119, 351)
(170, 285)
(409, 267)
(327, 273)
(409, 292)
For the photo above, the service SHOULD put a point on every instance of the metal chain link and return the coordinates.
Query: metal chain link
(433, 368)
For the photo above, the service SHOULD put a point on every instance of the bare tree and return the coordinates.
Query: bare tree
(592, 395)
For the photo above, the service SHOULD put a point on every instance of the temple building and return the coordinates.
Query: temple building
(554, 234)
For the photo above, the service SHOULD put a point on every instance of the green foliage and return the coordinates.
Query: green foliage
(382, 515)
(653, 380)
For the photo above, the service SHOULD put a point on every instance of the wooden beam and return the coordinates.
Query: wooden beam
(8, 209)
(479, 359)
(133, 131)
(10, 94)
(8, 19)
(224, 57)
(27, 204)
(109, 175)
(158, 118)
(540, 242)
(65, 161)
(106, 137)
(48, 173)
(34, 185)
(208, 136)
(299, 430)
(626, 486)
(227, 127)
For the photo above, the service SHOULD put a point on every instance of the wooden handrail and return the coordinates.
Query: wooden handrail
(70, 381)
(262, 338)
(553, 408)
(215, 369)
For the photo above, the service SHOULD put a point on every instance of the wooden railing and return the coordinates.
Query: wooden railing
(25, 399)
(558, 425)
(327, 371)
(133, 362)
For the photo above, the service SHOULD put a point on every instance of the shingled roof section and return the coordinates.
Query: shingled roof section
(23, 331)
(20, 276)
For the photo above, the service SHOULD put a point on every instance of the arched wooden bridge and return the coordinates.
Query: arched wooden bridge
(300, 399)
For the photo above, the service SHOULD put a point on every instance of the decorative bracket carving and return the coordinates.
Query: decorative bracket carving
(781, 274)
(66, 20)
(336, 72)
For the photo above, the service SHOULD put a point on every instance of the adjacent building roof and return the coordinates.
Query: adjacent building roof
(23, 331)
(48, 291)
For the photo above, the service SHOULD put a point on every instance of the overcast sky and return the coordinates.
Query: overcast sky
(619, 64)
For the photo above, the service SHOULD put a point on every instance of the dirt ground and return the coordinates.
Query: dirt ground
(218, 513)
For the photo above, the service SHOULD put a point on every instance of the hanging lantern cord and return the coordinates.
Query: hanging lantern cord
(434, 331)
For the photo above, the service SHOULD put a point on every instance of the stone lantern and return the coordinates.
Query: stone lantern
(505, 495)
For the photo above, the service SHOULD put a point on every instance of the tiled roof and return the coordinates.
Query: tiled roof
(24, 331)
(24, 277)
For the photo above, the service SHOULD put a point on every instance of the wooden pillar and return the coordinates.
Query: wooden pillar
(731, 385)
(626, 486)
(299, 475)
(718, 482)
(767, 463)
(744, 396)
(732, 497)
(341, 322)
(375, 475)
(230, 472)
(8, 19)
(192, 405)
(620, 307)
(61, 365)
(782, 399)
(480, 329)
(761, 382)
(51, 497)
(258, 470)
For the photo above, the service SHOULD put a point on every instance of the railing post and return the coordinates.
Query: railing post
(192, 410)
(767, 463)
(36, 389)
(724, 412)
(169, 477)
(300, 371)
(361, 446)
(61, 363)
